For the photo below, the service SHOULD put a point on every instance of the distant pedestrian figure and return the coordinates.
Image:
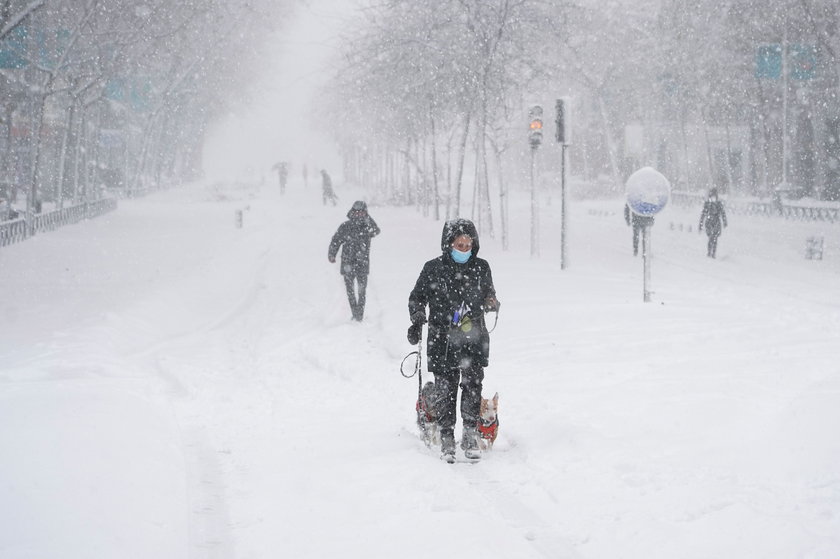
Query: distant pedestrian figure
(327, 188)
(713, 218)
(353, 236)
(639, 222)
(282, 169)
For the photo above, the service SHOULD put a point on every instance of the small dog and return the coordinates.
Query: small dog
(488, 422)
(428, 415)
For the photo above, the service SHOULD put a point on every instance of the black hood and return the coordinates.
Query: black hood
(456, 227)
(357, 205)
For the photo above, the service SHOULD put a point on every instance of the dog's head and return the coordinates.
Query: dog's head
(489, 409)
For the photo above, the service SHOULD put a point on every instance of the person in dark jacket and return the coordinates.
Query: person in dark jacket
(457, 287)
(639, 222)
(713, 218)
(282, 169)
(353, 236)
(327, 192)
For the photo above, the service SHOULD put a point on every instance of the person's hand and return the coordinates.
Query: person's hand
(415, 332)
(332, 259)
(418, 317)
(491, 304)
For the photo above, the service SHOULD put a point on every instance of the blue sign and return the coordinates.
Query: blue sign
(802, 62)
(134, 92)
(768, 62)
(13, 48)
(22, 45)
(647, 191)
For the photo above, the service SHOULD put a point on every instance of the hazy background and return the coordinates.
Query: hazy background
(282, 121)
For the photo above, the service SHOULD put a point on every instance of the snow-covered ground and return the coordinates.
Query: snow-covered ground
(174, 387)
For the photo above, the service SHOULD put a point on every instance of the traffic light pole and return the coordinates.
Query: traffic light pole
(563, 228)
(561, 119)
(535, 246)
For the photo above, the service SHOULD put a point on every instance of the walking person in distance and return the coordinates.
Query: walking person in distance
(713, 219)
(354, 237)
(639, 222)
(327, 192)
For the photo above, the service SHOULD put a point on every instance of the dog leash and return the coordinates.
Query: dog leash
(417, 362)
(496, 320)
(417, 367)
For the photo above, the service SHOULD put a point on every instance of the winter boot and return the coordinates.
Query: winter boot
(469, 443)
(447, 447)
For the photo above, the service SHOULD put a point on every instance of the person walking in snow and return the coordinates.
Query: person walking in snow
(353, 237)
(457, 287)
(639, 222)
(327, 188)
(282, 169)
(713, 218)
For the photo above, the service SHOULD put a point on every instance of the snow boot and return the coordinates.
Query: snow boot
(469, 443)
(447, 447)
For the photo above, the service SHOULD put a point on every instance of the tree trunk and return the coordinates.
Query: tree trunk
(503, 194)
(62, 158)
(611, 151)
(435, 187)
(482, 183)
(462, 152)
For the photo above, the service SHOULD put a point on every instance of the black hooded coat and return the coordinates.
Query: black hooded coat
(713, 217)
(353, 236)
(444, 285)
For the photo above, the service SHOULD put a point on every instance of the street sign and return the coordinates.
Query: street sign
(13, 49)
(768, 62)
(647, 191)
(801, 59)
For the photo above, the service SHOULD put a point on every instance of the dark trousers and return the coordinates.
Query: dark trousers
(356, 294)
(469, 377)
(713, 239)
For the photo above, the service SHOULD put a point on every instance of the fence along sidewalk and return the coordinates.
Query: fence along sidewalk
(16, 230)
(769, 209)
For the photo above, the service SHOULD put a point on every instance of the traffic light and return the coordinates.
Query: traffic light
(560, 120)
(535, 125)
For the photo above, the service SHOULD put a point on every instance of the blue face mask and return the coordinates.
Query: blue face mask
(460, 257)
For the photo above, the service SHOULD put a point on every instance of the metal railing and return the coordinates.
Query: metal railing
(12, 231)
(797, 212)
(16, 230)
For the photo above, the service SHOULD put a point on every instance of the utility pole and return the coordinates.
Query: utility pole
(535, 125)
(561, 135)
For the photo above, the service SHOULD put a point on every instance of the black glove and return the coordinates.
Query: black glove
(419, 317)
(415, 332)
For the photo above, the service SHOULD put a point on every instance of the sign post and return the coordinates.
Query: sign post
(562, 136)
(647, 192)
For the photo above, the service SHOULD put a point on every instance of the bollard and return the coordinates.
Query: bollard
(814, 248)
(239, 219)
